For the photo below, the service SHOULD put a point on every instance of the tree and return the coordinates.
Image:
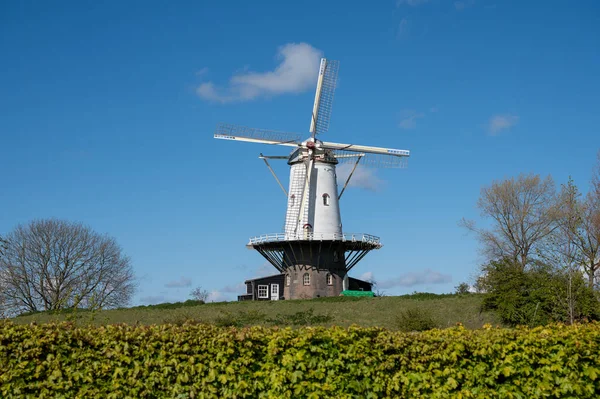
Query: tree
(590, 240)
(523, 212)
(537, 295)
(462, 289)
(53, 264)
(199, 294)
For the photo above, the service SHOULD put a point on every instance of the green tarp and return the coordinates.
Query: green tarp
(357, 293)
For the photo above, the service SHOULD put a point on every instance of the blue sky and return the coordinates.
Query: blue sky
(107, 111)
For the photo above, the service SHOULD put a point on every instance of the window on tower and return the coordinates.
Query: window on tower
(326, 199)
(292, 200)
(288, 278)
(306, 279)
(329, 279)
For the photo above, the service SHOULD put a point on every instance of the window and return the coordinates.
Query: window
(307, 230)
(287, 279)
(292, 200)
(329, 279)
(263, 291)
(306, 279)
(326, 199)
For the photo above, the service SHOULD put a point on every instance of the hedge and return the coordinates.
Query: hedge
(204, 361)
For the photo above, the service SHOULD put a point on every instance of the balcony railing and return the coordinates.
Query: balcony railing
(353, 237)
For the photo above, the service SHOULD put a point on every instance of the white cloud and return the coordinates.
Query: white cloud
(499, 123)
(296, 73)
(461, 5)
(416, 278)
(235, 289)
(409, 118)
(366, 276)
(362, 178)
(216, 296)
(181, 283)
(412, 3)
(403, 27)
(202, 72)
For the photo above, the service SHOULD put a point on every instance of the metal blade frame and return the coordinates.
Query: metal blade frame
(226, 131)
(326, 85)
(371, 160)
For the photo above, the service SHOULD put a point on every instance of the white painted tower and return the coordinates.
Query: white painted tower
(316, 211)
(313, 251)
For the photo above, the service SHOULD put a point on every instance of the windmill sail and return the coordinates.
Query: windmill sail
(324, 96)
(226, 131)
(378, 157)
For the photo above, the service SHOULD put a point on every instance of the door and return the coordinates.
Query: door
(274, 292)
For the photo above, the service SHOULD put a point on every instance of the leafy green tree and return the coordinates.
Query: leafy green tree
(462, 289)
(537, 295)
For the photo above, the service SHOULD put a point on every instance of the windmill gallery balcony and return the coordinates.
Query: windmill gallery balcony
(317, 249)
(310, 236)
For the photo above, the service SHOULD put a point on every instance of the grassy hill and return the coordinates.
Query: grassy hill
(395, 312)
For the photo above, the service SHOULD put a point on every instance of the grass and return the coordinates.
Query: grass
(388, 312)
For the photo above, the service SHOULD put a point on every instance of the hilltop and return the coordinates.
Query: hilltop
(394, 312)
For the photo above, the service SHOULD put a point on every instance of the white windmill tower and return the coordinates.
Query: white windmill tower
(313, 252)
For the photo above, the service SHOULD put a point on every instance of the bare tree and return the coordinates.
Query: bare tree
(53, 264)
(199, 294)
(589, 241)
(523, 212)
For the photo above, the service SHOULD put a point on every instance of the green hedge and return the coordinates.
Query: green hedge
(203, 361)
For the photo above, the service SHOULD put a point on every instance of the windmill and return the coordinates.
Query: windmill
(313, 252)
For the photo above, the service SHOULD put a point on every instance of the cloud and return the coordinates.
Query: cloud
(409, 118)
(366, 276)
(362, 178)
(202, 71)
(181, 283)
(416, 278)
(403, 27)
(235, 289)
(411, 3)
(499, 123)
(266, 269)
(296, 73)
(216, 296)
(461, 5)
(153, 299)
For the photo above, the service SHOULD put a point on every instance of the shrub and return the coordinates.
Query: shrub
(537, 295)
(202, 361)
(415, 320)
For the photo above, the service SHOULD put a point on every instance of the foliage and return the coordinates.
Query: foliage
(199, 294)
(462, 289)
(415, 320)
(171, 305)
(535, 295)
(202, 361)
(52, 264)
(523, 212)
(243, 318)
(301, 318)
